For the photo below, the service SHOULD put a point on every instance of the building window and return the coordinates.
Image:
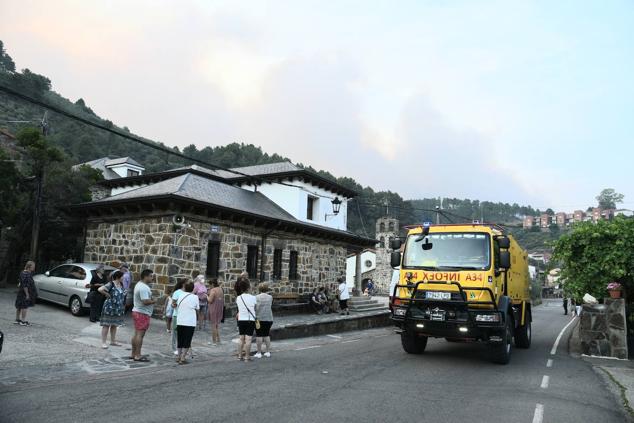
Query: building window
(277, 264)
(391, 226)
(382, 242)
(133, 172)
(382, 227)
(310, 208)
(213, 259)
(252, 261)
(292, 266)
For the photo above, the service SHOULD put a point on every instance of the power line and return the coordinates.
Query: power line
(361, 219)
(141, 141)
(130, 137)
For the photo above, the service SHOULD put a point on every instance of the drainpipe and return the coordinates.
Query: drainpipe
(263, 252)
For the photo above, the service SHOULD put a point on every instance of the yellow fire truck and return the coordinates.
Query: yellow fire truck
(466, 282)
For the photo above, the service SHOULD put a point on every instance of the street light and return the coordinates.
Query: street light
(336, 206)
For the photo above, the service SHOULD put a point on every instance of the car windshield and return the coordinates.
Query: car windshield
(449, 251)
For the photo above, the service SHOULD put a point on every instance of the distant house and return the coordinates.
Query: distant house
(280, 223)
(122, 167)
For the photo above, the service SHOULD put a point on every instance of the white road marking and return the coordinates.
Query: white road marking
(307, 348)
(539, 414)
(554, 350)
(549, 363)
(334, 336)
(352, 340)
(545, 381)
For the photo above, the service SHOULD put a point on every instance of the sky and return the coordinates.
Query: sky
(516, 101)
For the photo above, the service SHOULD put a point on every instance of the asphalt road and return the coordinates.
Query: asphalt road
(360, 377)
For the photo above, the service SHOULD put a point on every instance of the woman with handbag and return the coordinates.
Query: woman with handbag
(216, 305)
(113, 308)
(186, 312)
(246, 320)
(95, 298)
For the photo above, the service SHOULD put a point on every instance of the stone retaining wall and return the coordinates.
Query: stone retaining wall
(174, 252)
(602, 330)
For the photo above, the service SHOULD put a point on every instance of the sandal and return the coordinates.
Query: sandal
(104, 346)
(183, 362)
(116, 344)
(142, 359)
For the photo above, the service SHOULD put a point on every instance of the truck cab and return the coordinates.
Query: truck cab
(462, 283)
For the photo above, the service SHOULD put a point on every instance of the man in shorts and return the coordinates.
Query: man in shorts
(141, 313)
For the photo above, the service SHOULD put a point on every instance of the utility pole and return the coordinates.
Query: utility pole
(37, 206)
(35, 231)
(438, 209)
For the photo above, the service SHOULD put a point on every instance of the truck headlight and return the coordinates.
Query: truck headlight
(400, 311)
(488, 317)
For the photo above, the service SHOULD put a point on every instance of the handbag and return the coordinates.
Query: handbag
(257, 322)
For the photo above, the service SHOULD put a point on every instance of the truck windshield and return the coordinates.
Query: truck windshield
(450, 251)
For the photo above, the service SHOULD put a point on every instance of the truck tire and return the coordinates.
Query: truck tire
(523, 334)
(501, 351)
(413, 344)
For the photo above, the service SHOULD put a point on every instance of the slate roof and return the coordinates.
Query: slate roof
(261, 170)
(123, 160)
(201, 189)
(273, 172)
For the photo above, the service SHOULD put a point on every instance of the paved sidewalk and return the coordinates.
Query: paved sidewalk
(59, 345)
(618, 374)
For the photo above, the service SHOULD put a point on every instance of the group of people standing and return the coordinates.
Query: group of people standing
(188, 307)
(254, 315)
(574, 304)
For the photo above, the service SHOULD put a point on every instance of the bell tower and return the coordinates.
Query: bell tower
(386, 228)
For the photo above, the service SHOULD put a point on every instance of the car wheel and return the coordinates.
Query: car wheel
(76, 307)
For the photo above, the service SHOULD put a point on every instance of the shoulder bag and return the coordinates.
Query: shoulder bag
(257, 322)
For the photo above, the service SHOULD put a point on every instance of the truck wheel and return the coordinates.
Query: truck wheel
(501, 351)
(523, 335)
(413, 344)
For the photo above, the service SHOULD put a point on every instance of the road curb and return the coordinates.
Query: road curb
(346, 324)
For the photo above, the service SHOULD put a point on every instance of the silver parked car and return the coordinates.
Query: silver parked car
(66, 285)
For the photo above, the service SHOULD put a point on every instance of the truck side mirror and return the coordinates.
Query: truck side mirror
(395, 259)
(504, 242)
(505, 260)
(395, 244)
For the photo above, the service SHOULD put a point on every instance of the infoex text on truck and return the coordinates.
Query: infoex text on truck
(466, 282)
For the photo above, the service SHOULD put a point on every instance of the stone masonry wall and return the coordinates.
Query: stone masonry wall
(602, 330)
(175, 253)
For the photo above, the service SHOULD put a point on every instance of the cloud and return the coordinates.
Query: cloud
(425, 100)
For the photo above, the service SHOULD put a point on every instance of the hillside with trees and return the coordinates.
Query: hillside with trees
(79, 142)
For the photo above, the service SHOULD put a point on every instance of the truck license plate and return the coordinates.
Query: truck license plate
(434, 295)
(438, 315)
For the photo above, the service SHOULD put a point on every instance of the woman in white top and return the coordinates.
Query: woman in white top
(344, 295)
(246, 320)
(187, 307)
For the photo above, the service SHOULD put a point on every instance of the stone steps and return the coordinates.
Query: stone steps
(364, 304)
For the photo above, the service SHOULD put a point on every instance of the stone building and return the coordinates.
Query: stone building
(275, 225)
